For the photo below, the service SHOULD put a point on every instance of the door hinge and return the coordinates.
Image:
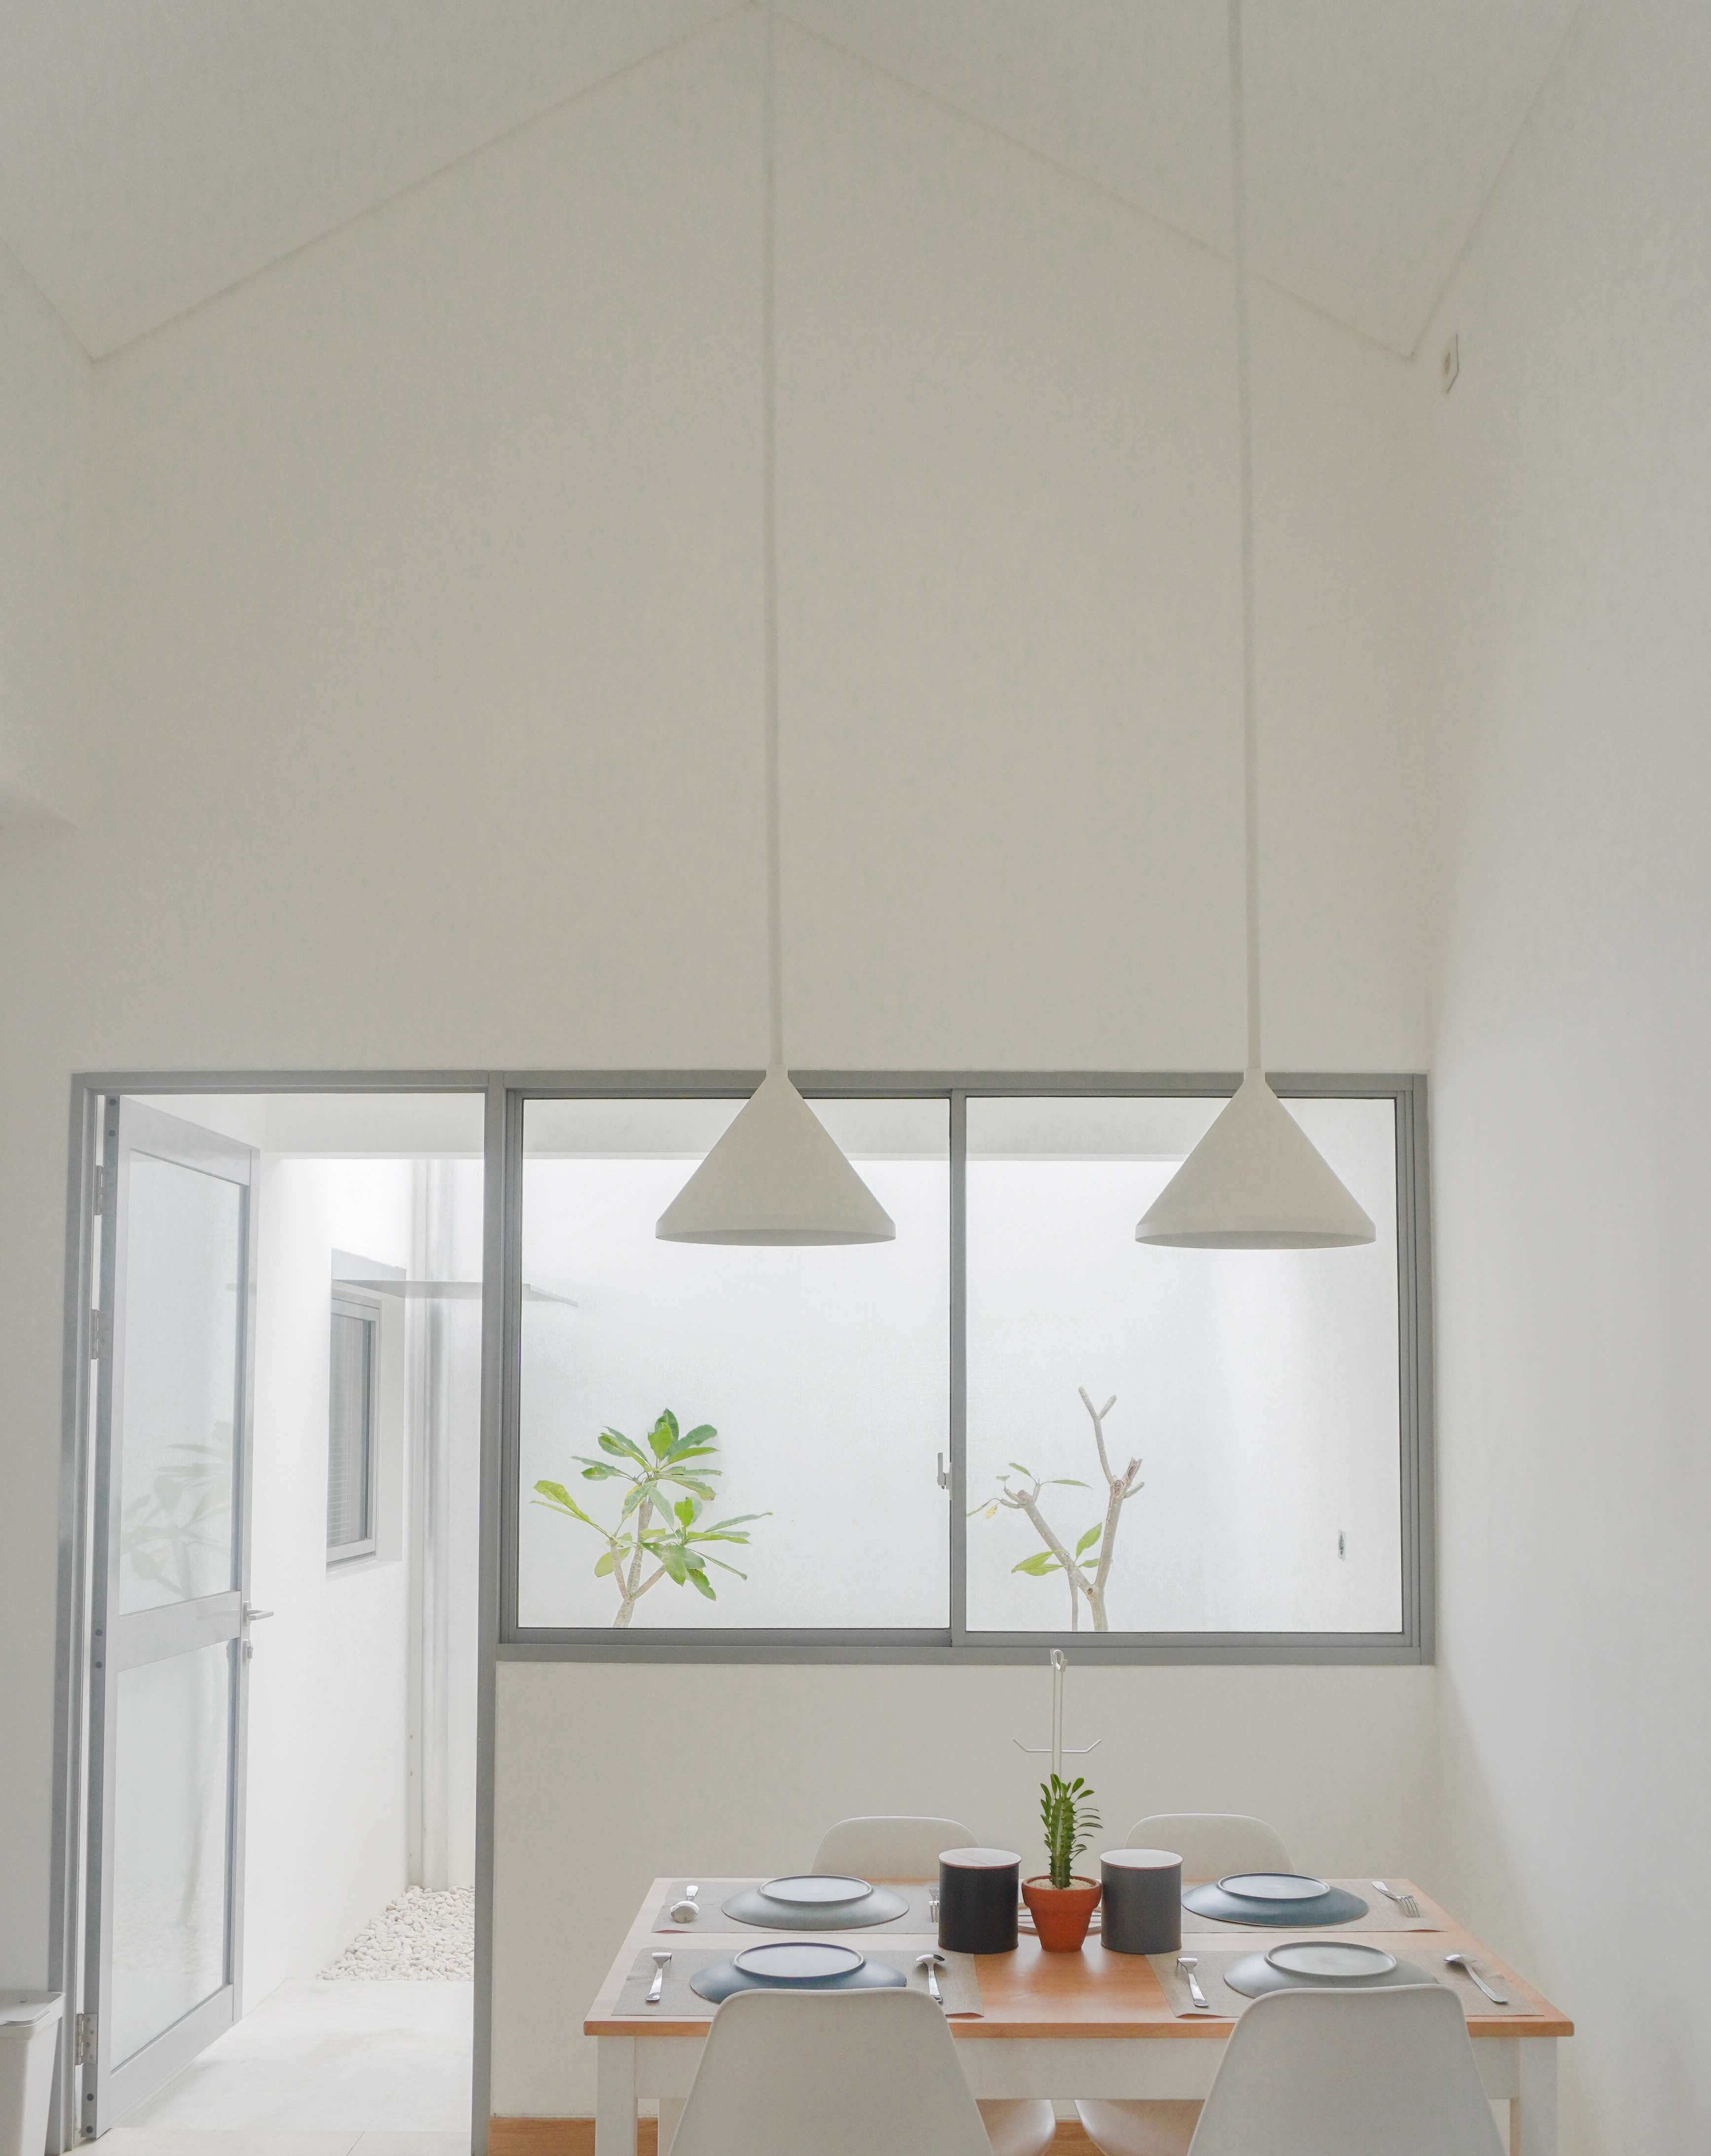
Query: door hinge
(101, 1333)
(99, 1203)
(85, 2039)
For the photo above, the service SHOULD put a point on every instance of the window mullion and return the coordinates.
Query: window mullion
(958, 1366)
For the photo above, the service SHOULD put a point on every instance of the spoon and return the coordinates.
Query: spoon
(662, 1962)
(1459, 1961)
(931, 1963)
(1188, 1963)
(685, 1909)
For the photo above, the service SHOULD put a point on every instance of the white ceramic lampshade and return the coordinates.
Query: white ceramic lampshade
(1255, 1181)
(775, 1177)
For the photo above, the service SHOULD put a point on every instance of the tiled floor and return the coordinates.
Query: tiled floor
(322, 2069)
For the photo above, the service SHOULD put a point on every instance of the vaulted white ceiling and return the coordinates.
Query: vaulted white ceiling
(153, 152)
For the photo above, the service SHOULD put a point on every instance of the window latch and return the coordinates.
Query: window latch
(944, 1474)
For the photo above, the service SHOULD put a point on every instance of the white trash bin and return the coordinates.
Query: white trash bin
(30, 2028)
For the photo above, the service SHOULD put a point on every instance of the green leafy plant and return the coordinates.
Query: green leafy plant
(659, 1523)
(1067, 1814)
(1087, 1567)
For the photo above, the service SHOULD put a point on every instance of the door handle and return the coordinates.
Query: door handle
(251, 1616)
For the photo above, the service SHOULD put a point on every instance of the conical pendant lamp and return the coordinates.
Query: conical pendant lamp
(1255, 1181)
(777, 1176)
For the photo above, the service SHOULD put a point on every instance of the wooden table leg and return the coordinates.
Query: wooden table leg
(1532, 2111)
(614, 2096)
(670, 2111)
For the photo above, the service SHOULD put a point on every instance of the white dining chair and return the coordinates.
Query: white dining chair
(1211, 1845)
(903, 1848)
(1384, 2072)
(853, 2073)
(889, 1848)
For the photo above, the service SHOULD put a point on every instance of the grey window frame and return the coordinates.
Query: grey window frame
(1415, 1642)
(350, 1301)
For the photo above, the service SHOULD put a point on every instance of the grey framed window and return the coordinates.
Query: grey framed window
(353, 1397)
(914, 1445)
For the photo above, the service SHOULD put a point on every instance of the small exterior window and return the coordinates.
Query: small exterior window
(351, 1435)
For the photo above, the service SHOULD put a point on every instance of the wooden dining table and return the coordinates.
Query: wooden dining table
(1093, 2024)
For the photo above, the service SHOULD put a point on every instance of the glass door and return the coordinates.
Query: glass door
(170, 1619)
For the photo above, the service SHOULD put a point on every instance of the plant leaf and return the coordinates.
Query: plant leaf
(1088, 1539)
(558, 1498)
(700, 1580)
(604, 1563)
(621, 1447)
(1037, 1566)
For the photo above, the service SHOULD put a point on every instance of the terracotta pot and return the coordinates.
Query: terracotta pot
(1062, 1914)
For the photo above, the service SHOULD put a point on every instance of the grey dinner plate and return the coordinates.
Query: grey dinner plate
(806, 1903)
(1287, 1911)
(796, 1965)
(1256, 1974)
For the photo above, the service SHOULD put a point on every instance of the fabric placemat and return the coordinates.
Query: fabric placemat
(716, 1893)
(1208, 1973)
(958, 1982)
(1381, 1916)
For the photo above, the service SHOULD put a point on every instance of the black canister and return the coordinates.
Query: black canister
(1140, 1908)
(978, 1892)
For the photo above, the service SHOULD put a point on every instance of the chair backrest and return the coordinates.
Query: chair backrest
(844, 2073)
(1384, 2072)
(1213, 1844)
(889, 1848)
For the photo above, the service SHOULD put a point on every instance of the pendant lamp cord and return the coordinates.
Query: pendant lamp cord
(769, 534)
(1244, 397)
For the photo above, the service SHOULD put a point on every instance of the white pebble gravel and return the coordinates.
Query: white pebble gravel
(427, 1936)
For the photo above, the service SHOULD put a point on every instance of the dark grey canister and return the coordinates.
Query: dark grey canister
(1140, 1910)
(978, 1890)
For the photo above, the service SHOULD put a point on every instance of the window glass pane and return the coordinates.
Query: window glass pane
(171, 1827)
(825, 1375)
(1258, 1389)
(183, 1265)
(348, 1481)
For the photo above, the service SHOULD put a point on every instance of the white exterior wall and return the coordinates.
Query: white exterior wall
(329, 1688)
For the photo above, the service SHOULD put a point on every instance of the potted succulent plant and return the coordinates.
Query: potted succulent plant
(1060, 1901)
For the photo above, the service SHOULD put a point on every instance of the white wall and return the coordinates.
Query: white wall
(329, 1684)
(426, 677)
(1569, 475)
(44, 425)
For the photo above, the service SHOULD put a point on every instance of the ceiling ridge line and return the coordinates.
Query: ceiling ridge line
(512, 134)
(1483, 214)
(1098, 188)
(26, 278)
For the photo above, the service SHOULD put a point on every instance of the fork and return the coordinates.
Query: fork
(1188, 1963)
(1405, 1902)
(662, 1962)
